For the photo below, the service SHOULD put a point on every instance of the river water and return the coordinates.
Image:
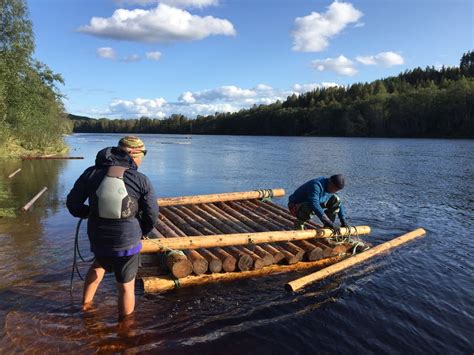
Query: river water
(417, 299)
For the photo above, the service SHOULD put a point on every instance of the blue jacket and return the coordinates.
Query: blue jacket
(112, 237)
(314, 192)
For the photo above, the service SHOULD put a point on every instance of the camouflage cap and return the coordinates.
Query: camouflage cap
(133, 146)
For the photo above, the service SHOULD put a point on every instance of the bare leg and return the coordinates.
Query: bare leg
(126, 299)
(94, 276)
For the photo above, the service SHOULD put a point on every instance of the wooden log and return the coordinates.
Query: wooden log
(269, 226)
(173, 214)
(326, 250)
(33, 200)
(14, 173)
(230, 196)
(258, 263)
(200, 264)
(178, 264)
(354, 260)
(222, 240)
(229, 263)
(164, 284)
(44, 157)
(265, 255)
(288, 256)
(286, 213)
(242, 261)
(277, 255)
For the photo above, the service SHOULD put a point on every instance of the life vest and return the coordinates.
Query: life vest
(112, 198)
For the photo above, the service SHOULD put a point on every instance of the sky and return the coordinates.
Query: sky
(133, 58)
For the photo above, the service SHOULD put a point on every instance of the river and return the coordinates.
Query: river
(417, 299)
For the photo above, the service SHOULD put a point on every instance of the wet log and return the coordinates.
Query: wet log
(269, 226)
(354, 260)
(230, 196)
(286, 213)
(177, 263)
(289, 257)
(277, 255)
(200, 264)
(14, 173)
(45, 157)
(244, 261)
(215, 264)
(164, 284)
(33, 200)
(219, 217)
(229, 263)
(222, 240)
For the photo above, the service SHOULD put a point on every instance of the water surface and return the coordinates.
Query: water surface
(418, 298)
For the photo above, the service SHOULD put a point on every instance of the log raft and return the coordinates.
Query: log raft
(231, 236)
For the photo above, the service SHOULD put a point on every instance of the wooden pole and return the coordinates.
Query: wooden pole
(230, 196)
(219, 217)
(215, 264)
(223, 240)
(228, 261)
(33, 200)
(178, 263)
(200, 264)
(354, 260)
(166, 283)
(14, 173)
(311, 251)
(45, 157)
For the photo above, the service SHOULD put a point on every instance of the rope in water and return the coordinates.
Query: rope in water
(77, 251)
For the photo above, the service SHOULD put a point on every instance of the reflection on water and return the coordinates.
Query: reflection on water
(418, 298)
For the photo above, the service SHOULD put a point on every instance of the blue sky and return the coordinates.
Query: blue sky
(129, 58)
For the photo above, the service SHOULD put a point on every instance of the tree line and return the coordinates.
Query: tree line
(32, 115)
(426, 102)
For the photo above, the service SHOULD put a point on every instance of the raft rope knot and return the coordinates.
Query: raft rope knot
(265, 195)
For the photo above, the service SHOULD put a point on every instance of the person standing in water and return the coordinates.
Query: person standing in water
(122, 208)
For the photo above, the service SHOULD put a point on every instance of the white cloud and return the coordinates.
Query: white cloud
(222, 99)
(132, 58)
(153, 55)
(312, 33)
(340, 65)
(161, 24)
(106, 53)
(386, 59)
(174, 3)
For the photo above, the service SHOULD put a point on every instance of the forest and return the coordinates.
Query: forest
(32, 116)
(426, 102)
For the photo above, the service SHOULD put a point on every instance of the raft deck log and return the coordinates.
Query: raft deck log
(196, 242)
(354, 260)
(230, 196)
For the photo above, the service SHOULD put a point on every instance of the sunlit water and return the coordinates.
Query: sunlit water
(419, 298)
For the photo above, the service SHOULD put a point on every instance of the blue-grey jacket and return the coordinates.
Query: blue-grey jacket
(315, 193)
(112, 237)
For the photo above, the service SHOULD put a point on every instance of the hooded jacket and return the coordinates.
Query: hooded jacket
(316, 194)
(114, 237)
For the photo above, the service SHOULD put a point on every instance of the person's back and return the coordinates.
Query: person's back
(122, 208)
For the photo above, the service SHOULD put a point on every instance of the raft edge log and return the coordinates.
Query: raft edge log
(164, 284)
(223, 240)
(354, 260)
(228, 196)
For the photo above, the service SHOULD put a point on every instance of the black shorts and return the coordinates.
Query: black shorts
(124, 267)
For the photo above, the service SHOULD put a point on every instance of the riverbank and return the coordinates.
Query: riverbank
(13, 150)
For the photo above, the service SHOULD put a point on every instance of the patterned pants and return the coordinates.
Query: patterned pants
(303, 211)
